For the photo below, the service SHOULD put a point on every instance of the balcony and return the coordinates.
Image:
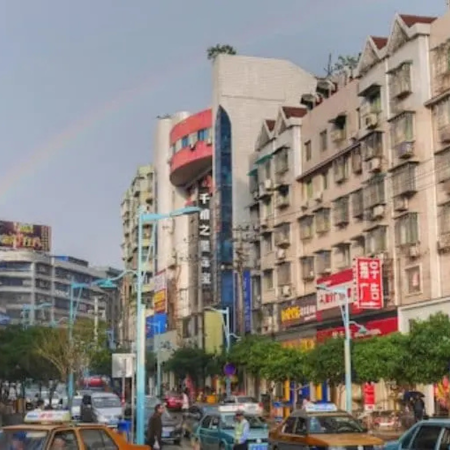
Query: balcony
(190, 162)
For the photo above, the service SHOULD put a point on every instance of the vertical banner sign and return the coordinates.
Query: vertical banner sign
(247, 297)
(204, 239)
(369, 283)
(160, 293)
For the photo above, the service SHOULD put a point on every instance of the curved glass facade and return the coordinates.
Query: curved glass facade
(224, 211)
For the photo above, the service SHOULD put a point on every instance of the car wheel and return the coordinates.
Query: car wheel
(177, 442)
(222, 446)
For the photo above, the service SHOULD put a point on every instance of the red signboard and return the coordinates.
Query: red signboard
(372, 328)
(25, 236)
(369, 283)
(369, 396)
(338, 281)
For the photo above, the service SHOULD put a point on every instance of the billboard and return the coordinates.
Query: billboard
(327, 300)
(204, 241)
(154, 325)
(213, 331)
(297, 312)
(25, 236)
(160, 293)
(368, 276)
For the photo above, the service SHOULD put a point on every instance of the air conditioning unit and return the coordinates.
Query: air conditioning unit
(282, 201)
(281, 253)
(318, 197)
(405, 150)
(414, 251)
(444, 134)
(378, 212)
(374, 165)
(268, 184)
(309, 276)
(443, 243)
(286, 291)
(400, 203)
(371, 120)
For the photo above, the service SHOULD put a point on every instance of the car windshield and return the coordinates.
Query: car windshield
(151, 402)
(246, 400)
(229, 421)
(106, 402)
(22, 440)
(334, 424)
(76, 401)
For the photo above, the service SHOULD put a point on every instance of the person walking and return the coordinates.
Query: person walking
(185, 402)
(241, 432)
(418, 408)
(87, 414)
(154, 431)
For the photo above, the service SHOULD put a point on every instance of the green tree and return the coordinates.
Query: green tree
(347, 61)
(219, 49)
(286, 364)
(101, 362)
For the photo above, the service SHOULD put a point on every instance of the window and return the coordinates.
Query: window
(97, 439)
(444, 219)
(185, 142)
(340, 211)
(267, 170)
(268, 279)
(267, 243)
(442, 114)
(404, 180)
(325, 180)
(284, 274)
(289, 425)
(400, 82)
(309, 189)
(374, 192)
(202, 134)
(282, 161)
(306, 227)
(268, 208)
(414, 285)
(66, 440)
(372, 146)
(357, 160)
(402, 129)
(322, 220)
(323, 262)
(300, 426)
(357, 204)
(340, 169)
(323, 140)
(343, 256)
(376, 240)
(445, 440)
(307, 266)
(443, 166)
(206, 422)
(308, 151)
(282, 234)
(407, 229)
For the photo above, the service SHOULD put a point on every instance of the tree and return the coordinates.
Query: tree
(218, 49)
(347, 61)
(287, 364)
(101, 362)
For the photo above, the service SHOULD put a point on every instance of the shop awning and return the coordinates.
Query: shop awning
(253, 172)
(263, 159)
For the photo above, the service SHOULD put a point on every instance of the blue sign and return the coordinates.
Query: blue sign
(4, 320)
(156, 324)
(247, 294)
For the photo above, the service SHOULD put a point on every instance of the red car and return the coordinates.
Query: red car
(173, 401)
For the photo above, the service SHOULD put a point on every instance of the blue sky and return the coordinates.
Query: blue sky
(81, 83)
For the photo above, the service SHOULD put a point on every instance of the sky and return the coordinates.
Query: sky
(82, 82)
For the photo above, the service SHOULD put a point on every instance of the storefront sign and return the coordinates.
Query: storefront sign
(369, 396)
(204, 236)
(297, 312)
(342, 281)
(160, 293)
(304, 344)
(369, 283)
(369, 329)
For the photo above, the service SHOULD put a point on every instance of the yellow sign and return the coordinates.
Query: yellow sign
(291, 313)
(159, 302)
(304, 344)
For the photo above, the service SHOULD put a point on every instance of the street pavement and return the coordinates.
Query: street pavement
(185, 445)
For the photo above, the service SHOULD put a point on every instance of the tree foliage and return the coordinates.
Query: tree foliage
(346, 61)
(220, 49)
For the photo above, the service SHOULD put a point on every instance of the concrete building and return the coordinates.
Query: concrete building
(30, 279)
(141, 193)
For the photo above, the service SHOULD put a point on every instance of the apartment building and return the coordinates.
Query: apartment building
(366, 184)
(141, 193)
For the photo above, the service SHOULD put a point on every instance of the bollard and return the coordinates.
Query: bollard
(124, 429)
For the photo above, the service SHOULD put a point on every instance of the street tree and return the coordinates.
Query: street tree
(346, 61)
(286, 364)
(220, 49)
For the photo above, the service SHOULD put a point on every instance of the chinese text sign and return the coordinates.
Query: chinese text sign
(369, 283)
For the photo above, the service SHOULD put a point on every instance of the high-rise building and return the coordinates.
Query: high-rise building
(140, 194)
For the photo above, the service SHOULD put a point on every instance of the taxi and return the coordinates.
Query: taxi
(319, 426)
(53, 430)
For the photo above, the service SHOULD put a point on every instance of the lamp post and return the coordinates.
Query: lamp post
(157, 347)
(345, 313)
(30, 308)
(145, 217)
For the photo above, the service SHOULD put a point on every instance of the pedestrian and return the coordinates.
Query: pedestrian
(241, 432)
(87, 414)
(40, 405)
(154, 431)
(185, 402)
(418, 408)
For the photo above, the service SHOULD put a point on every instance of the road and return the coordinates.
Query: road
(185, 445)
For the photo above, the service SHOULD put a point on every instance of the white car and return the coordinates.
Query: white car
(249, 405)
(107, 408)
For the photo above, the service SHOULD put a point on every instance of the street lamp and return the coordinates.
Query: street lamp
(145, 217)
(158, 357)
(345, 313)
(32, 308)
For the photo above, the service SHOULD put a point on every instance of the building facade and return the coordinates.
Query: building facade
(140, 194)
(35, 288)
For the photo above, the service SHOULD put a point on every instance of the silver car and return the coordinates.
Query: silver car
(107, 408)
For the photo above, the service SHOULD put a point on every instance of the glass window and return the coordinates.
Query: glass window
(228, 421)
(289, 425)
(64, 440)
(334, 424)
(185, 141)
(323, 140)
(97, 439)
(106, 402)
(426, 438)
(206, 422)
(22, 439)
(202, 135)
(308, 150)
(300, 426)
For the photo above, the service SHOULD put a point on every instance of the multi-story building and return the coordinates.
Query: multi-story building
(140, 194)
(35, 287)
(370, 181)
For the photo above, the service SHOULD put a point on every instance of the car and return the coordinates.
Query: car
(216, 431)
(107, 408)
(427, 434)
(248, 405)
(173, 401)
(322, 426)
(194, 415)
(42, 428)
